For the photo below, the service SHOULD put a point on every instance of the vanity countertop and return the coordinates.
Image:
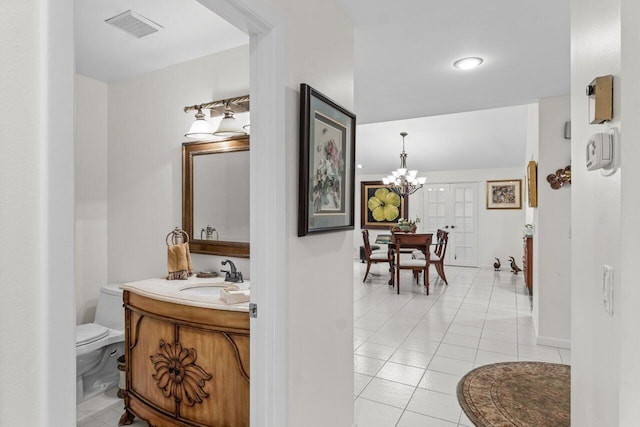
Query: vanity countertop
(196, 292)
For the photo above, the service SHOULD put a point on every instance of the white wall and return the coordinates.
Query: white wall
(319, 268)
(595, 221)
(499, 231)
(90, 165)
(629, 291)
(22, 218)
(36, 214)
(146, 131)
(531, 153)
(552, 232)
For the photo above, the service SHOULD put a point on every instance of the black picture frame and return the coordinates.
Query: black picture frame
(327, 164)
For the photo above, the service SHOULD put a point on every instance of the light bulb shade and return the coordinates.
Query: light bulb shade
(422, 180)
(413, 173)
(394, 174)
(229, 126)
(402, 171)
(385, 180)
(200, 128)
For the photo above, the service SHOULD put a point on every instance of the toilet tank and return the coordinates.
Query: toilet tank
(110, 312)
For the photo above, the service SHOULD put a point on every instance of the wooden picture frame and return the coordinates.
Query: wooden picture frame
(327, 164)
(504, 194)
(191, 150)
(368, 190)
(532, 184)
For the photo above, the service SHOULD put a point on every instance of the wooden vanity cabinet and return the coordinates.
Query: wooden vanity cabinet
(185, 365)
(527, 262)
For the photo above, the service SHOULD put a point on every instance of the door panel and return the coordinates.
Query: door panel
(454, 208)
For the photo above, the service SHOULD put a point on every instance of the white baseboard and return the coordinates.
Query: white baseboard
(553, 342)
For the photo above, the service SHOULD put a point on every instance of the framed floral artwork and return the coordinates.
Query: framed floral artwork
(380, 207)
(327, 164)
(506, 194)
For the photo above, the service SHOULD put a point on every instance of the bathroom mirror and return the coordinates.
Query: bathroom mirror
(215, 196)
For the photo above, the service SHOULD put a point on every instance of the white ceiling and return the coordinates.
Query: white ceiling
(492, 138)
(190, 31)
(404, 51)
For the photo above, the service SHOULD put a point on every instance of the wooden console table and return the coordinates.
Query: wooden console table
(527, 261)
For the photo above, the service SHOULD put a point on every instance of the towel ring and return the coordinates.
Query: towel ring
(176, 235)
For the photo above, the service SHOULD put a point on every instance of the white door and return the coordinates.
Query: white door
(454, 208)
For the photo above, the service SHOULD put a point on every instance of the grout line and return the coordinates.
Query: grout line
(436, 351)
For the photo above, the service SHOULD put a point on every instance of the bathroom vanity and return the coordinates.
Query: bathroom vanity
(187, 354)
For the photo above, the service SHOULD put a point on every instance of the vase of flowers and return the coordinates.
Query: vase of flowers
(528, 230)
(406, 225)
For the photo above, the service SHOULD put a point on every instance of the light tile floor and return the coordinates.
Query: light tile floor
(410, 350)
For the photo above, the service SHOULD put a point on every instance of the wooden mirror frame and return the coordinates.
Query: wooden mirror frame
(189, 151)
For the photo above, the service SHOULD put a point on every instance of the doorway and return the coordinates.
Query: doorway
(268, 360)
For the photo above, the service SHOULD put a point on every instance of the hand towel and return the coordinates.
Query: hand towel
(179, 262)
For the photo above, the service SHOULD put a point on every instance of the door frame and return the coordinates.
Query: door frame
(269, 387)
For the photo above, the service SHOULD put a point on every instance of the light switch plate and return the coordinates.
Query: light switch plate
(607, 289)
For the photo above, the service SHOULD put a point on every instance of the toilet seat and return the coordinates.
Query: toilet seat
(90, 332)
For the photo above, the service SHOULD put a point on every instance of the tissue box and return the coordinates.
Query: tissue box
(231, 296)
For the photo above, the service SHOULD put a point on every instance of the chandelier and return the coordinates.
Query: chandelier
(402, 181)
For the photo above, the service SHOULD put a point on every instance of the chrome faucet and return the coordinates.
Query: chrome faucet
(208, 232)
(233, 276)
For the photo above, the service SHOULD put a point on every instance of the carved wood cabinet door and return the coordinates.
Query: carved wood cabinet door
(186, 366)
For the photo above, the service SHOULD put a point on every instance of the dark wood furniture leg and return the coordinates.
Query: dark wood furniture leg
(126, 418)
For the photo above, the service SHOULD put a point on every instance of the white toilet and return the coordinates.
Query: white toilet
(99, 344)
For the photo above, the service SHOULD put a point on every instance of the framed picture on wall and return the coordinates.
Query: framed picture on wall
(505, 194)
(532, 184)
(379, 206)
(327, 164)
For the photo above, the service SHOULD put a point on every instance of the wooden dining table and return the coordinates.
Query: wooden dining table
(410, 246)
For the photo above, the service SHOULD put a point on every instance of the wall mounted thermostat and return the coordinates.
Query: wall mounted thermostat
(599, 151)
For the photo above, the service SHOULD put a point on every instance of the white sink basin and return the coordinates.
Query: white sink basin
(211, 290)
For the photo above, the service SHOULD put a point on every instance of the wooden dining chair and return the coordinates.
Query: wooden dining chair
(372, 257)
(420, 242)
(440, 250)
(442, 238)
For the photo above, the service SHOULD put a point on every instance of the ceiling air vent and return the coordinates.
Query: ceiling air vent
(133, 23)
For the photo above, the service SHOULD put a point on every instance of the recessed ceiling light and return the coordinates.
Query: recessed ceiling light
(359, 166)
(468, 63)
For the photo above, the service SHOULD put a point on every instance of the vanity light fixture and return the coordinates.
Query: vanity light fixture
(229, 126)
(468, 63)
(200, 128)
